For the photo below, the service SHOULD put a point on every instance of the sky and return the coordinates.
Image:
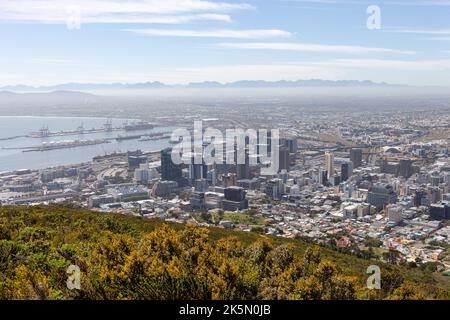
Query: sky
(45, 42)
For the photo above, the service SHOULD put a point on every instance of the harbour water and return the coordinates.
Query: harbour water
(12, 156)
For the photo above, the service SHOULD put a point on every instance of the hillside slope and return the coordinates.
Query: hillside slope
(124, 257)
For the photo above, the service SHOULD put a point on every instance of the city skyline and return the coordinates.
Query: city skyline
(178, 42)
(234, 150)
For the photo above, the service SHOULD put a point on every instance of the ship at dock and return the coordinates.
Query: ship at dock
(123, 138)
(140, 125)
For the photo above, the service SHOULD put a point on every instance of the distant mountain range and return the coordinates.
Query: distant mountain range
(63, 94)
(60, 98)
(198, 85)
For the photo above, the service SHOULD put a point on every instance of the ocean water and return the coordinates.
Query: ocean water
(14, 159)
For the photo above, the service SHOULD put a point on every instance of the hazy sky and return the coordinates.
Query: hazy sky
(179, 41)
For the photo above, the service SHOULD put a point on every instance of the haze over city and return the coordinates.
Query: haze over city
(259, 153)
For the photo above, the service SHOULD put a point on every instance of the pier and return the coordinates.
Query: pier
(44, 132)
(61, 145)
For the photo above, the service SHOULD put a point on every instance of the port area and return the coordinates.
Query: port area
(54, 145)
(68, 144)
(127, 127)
(45, 132)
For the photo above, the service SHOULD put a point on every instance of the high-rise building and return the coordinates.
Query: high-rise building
(284, 160)
(435, 180)
(356, 157)
(290, 143)
(323, 177)
(142, 174)
(169, 170)
(363, 210)
(345, 170)
(329, 164)
(243, 169)
(440, 211)
(405, 168)
(264, 145)
(335, 180)
(381, 195)
(434, 194)
(390, 167)
(198, 171)
(394, 213)
(283, 175)
(274, 188)
(135, 159)
(420, 198)
(234, 193)
(235, 199)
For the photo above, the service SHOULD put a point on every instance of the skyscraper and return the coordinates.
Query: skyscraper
(323, 177)
(420, 197)
(345, 171)
(356, 157)
(329, 163)
(284, 160)
(169, 170)
(405, 168)
(198, 171)
(290, 143)
(243, 169)
(380, 195)
(264, 145)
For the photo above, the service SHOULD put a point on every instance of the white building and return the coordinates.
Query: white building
(144, 174)
(395, 213)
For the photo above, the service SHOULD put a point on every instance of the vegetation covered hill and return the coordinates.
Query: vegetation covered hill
(131, 258)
